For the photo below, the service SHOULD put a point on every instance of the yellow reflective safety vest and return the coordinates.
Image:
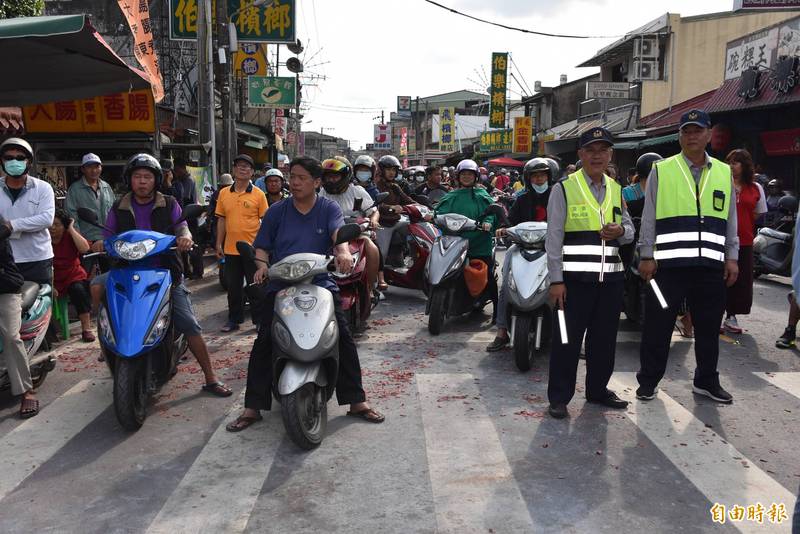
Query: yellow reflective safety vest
(691, 217)
(585, 256)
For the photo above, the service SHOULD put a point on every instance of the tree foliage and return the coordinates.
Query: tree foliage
(21, 8)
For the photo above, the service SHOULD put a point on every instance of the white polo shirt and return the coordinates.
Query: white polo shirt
(31, 214)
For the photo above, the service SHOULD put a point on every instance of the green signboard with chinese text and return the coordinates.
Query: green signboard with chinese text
(497, 108)
(497, 141)
(274, 22)
(271, 92)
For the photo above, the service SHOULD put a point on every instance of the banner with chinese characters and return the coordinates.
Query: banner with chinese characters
(447, 129)
(137, 13)
(117, 113)
(404, 142)
(497, 141)
(412, 140)
(250, 60)
(763, 49)
(497, 108)
(274, 22)
(202, 182)
(523, 135)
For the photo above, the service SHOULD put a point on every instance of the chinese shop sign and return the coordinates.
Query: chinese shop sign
(271, 92)
(274, 22)
(523, 135)
(120, 112)
(137, 13)
(497, 109)
(447, 129)
(497, 141)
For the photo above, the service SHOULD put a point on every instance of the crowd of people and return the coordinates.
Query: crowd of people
(594, 216)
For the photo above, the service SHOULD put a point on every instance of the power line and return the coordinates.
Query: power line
(543, 34)
(511, 57)
(362, 108)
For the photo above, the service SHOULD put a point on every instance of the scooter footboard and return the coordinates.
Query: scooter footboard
(297, 374)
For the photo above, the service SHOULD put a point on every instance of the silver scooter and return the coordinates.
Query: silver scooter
(526, 285)
(305, 341)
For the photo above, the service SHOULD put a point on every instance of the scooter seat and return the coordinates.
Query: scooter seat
(774, 234)
(29, 290)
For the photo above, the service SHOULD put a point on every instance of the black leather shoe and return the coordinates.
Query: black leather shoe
(611, 400)
(558, 410)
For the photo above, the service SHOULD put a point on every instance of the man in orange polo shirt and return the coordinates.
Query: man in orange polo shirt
(240, 209)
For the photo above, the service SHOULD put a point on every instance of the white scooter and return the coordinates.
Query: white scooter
(305, 340)
(526, 287)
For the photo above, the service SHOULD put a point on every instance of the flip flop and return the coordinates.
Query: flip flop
(29, 408)
(369, 415)
(241, 423)
(218, 388)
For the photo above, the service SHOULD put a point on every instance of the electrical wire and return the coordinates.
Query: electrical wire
(533, 32)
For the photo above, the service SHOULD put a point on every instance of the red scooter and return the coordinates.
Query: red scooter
(415, 248)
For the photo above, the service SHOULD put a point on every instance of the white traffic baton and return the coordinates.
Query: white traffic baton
(562, 326)
(659, 295)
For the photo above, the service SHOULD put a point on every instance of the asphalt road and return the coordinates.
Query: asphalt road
(466, 447)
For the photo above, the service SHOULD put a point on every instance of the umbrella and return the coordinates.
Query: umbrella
(505, 162)
(47, 59)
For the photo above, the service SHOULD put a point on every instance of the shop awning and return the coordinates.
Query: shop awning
(726, 98)
(59, 58)
(505, 162)
(644, 143)
(672, 116)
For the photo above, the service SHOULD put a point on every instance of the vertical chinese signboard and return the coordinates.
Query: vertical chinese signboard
(137, 13)
(404, 142)
(119, 112)
(447, 129)
(250, 60)
(497, 109)
(274, 22)
(523, 135)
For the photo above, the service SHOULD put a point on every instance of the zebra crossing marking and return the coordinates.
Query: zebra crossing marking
(787, 381)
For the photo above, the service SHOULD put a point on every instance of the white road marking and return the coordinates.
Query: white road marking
(716, 468)
(36, 440)
(220, 489)
(789, 382)
(377, 337)
(473, 486)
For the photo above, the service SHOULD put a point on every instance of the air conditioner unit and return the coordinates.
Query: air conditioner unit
(645, 47)
(645, 69)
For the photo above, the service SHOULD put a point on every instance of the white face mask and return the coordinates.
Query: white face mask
(363, 176)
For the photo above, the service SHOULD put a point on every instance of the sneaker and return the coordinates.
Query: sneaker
(732, 325)
(558, 410)
(715, 393)
(786, 341)
(645, 393)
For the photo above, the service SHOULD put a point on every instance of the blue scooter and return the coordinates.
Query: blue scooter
(134, 322)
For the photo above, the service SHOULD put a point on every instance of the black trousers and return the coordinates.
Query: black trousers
(79, 296)
(592, 308)
(258, 395)
(704, 291)
(234, 277)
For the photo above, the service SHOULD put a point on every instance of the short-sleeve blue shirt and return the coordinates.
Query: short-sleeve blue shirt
(285, 231)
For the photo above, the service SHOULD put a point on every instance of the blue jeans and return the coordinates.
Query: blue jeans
(183, 315)
(502, 295)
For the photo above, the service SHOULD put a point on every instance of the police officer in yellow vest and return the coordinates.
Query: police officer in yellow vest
(689, 245)
(586, 223)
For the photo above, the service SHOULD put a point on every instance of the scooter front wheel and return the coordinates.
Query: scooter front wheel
(305, 415)
(438, 311)
(130, 393)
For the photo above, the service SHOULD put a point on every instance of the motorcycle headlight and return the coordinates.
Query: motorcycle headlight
(282, 336)
(134, 251)
(454, 224)
(104, 326)
(531, 236)
(292, 271)
(160, 326)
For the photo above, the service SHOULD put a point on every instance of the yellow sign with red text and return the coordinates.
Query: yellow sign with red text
(117, 113)
(523, 135)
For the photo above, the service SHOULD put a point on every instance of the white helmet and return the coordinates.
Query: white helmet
(365, 160)
(17, 142)
(466, 165)
(273, 172)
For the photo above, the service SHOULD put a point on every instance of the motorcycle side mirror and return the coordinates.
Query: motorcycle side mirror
(87, 215)
(422, 199)
(192, 211)
(346, 233)
(381, 197)
(246, 250)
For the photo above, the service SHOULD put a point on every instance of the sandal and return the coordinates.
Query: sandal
(241, 423)
(383, 286)
(369, 415)
(87, 336)
(28, 408)
(219, 389)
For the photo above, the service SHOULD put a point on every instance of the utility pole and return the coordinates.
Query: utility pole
(205, 111)
(228, 130)
(415, 126)
(424, 160)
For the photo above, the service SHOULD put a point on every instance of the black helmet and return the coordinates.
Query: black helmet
(555, 169)
(787, 204)
(535, 165)
(389, 161)
(142, 161)
(340, 166)
(645, 163)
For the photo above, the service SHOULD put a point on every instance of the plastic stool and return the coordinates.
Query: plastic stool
(61, 315)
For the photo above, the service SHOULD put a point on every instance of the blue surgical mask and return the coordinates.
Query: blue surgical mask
(541, 188)
(15, 168)
(363, 176)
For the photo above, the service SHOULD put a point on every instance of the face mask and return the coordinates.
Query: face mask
(420, 179)
(364, 176)
(541, 188)
(15, 168)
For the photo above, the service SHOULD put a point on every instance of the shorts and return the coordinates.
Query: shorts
(183, 315)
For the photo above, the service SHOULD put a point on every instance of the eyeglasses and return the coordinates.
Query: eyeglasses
(18, 158)
(246, 166)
